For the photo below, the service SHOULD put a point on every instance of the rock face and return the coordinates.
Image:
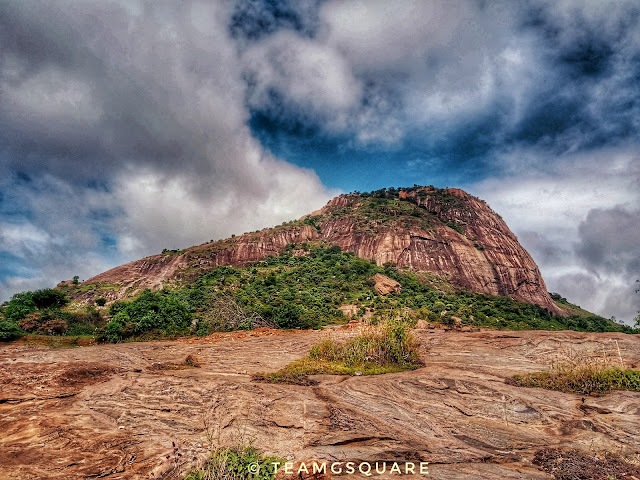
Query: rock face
(385, 285)
(447, 233)
(108, 412)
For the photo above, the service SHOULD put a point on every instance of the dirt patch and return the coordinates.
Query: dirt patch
(82, 375)
(55, 341)
(22, 380)
(286, 378)
(575, 465)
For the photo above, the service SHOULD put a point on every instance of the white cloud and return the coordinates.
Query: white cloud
(548, 202)
(308, 73)
(131, 133)
(165, 212)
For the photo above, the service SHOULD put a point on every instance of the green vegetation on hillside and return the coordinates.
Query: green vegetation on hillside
(46, 312)
(168, 312)
(301, 288)
(386, 207)
(369, 213)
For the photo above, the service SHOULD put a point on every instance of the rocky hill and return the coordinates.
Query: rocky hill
(447, 232)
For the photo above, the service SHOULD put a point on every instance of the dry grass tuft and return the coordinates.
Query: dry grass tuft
(574, 465)
(587, 374)
(192, 361)
(385, 348)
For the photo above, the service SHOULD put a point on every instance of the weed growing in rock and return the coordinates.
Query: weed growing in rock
(584, 374)
(243, 462)
(384, 348)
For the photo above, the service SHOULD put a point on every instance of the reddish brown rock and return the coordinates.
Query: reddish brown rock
(348, 310)
(107, 412)
(385, 285)
(305, 470)
(450, 234)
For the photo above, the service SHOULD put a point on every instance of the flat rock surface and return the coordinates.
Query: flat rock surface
(133, 411)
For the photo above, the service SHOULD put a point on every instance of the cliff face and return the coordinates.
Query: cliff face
(448, 233)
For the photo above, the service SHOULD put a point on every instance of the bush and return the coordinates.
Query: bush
(165, 311)
(101, 302)
(9, 330)
(20, 305)
(388, 347)
(49, 298)
(45, 322)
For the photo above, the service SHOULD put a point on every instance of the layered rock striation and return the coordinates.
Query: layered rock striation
(445, 232)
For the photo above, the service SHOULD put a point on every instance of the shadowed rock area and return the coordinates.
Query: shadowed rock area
(119, 412)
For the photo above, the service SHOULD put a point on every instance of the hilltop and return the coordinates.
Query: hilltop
(439, 255)
(446, 232)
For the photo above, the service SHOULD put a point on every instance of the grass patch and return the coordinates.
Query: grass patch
(586, 380)
(243, 462)
(584, 375)
(385, 348)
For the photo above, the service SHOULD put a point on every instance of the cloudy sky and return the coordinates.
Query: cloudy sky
(127, 127)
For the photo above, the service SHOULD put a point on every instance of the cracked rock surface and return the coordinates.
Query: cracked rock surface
(109, 411)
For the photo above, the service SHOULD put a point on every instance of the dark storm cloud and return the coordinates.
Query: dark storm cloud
(80, 100)
(253, 20)
(562, 75)
(543, 249)
(122, 131)
(608, 241)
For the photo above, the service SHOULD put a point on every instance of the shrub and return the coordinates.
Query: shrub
(20, 305)
(49, 298)
(45, 322)
(243, 462)
(165, 311)
(582, 374)
(101, 302)
(31, 322)
(388, 347)
(226, 314)
(8, 330)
